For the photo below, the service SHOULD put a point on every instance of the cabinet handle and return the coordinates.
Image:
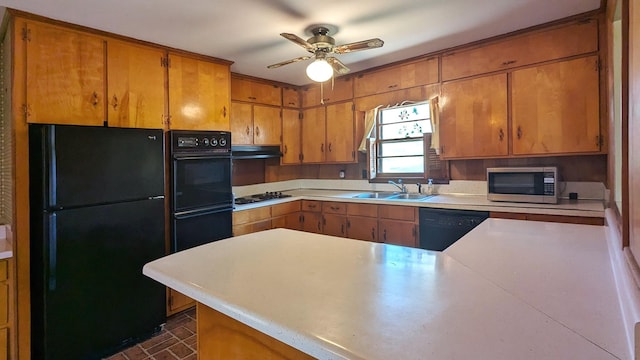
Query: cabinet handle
(324, 220)
(342, 229)
(373, 234)
(319, 226)
(257, 131)
(384, 235)
(247, 130)
(348, 224)
(325, 100)
(285, 148)
(393, 86)
(509, 62)
(322, 147)
(252, 97)
(302, 218)
(291, 103)
(94, 99)
(224, 111)
(501, 134)
(114, 102)
(519, 132)
(330, 147)
(311, 206)
(335, 208)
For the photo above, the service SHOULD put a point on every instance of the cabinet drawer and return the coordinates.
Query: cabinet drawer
(290, 98)
(311, 205)
(368, 210)
(286, 208)
(252, 215)
(580, 37)
(407, 213)
(342, 90)
(255, 92)
(334, 207)
(251, 227)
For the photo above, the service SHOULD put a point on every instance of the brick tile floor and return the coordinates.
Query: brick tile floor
(177, 340)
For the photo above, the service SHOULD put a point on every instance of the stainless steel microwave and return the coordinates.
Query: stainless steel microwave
(523, 184)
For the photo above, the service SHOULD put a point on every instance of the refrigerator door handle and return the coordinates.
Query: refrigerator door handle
(53, 252)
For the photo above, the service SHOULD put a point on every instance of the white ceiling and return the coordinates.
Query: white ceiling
(247, 31)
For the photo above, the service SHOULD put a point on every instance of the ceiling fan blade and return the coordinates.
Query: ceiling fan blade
(298, 40)
(357, 46)
(301, 58)
(337, 65)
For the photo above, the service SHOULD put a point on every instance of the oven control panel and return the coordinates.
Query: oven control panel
(200, 141)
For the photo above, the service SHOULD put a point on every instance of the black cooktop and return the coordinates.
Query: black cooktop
(270, 195)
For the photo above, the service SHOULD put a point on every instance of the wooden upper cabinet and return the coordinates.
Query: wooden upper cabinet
(135, 85)
(291, 141)
(416, 73)
(556, 108)
(579, 37)
(328, 92)
(255, 92)
(340, 143)
(267, 128)
(291, 98)
(241, 123)
(198, 94)
(255, 124)
(65, 77)
(473, 118)
(313, 135)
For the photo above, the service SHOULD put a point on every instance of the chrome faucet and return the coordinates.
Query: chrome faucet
(399, 185)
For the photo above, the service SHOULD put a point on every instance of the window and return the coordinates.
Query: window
(401, 147)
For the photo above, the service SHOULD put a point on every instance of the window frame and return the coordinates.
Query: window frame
(373, 160)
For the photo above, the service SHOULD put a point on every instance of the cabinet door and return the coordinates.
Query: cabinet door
(334, 225)
(473, 121)
(198, 94)
(311, 222)
(267, 126)
(255, 92)
(318, 94)
(290, 98)
(65, 76)
(135, 86)
(556, 108)
(362, 228)
(291, 146)
(398, 77)
(395, 232)
(241, 123)
(293, 221)
(178, 302)
(340, 132)
(313, 135)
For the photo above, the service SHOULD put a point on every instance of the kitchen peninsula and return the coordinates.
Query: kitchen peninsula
(303, 295)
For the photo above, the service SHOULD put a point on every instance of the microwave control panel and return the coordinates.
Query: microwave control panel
(549, 183)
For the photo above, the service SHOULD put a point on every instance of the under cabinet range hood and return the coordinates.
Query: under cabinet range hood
(255, 152)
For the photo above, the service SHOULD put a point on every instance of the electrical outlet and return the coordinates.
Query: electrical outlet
(341, 174)
(364, 173)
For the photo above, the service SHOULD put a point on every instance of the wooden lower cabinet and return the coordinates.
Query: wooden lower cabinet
(363, 228)
(286, 215)
(398, 225)
(221, 337)
(334, 224)
(311, 222)
(549, 218)
(177, 302)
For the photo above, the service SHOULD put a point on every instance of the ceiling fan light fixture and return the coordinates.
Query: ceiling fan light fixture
(319, 70)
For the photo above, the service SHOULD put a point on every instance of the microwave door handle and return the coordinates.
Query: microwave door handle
(204, 157)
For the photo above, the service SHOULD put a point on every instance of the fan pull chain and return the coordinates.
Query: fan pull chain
(321, 94)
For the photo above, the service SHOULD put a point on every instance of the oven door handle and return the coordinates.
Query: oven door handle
(202, 211)
(202, 157)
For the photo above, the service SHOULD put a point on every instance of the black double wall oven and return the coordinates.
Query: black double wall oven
(201, 192)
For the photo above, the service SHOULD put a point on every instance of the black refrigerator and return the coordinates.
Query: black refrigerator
(97, 216)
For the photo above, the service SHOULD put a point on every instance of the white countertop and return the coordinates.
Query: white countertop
(337, 298)
(585, 208)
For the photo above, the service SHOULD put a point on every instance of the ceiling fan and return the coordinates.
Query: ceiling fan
(321, 45)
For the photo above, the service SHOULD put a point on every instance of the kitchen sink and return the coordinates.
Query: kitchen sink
(375, 195)
(409, 196)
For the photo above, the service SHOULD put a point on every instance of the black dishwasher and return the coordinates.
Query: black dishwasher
(439, 228)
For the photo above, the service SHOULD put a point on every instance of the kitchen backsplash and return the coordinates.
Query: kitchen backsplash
(585, 190)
